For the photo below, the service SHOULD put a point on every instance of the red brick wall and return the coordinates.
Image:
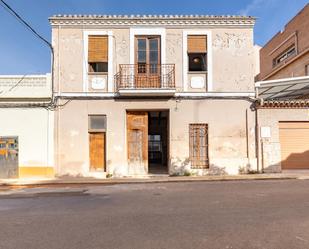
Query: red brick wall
(296, 31)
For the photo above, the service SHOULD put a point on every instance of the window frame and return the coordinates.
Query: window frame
(147, 63)
(98, 62)
(284, 56)
(110, 73)
(209, 75)
(97, 72)
(197, 54)
(96, 130)
(196, 161)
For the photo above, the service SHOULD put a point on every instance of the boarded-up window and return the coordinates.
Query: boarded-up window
(98, 53)
(199, 146)
(197, 52)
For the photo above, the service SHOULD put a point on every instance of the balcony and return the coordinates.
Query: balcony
(145, 80)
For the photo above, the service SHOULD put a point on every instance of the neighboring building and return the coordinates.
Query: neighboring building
(154, 94)
(26, 127)
(287, 53)
(283, 90)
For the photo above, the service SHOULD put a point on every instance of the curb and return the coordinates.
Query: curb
(59, 183)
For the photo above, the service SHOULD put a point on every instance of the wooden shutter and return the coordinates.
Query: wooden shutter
(197, 44)
(97, 48)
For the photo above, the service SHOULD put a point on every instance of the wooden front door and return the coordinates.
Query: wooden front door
(148, 68)
(137, 137)
(97, 151)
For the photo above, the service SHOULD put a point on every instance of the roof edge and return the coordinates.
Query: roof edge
(152, 19)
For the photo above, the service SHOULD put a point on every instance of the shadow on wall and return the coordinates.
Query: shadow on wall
(215, 170)
(293, 161)
(247, 170)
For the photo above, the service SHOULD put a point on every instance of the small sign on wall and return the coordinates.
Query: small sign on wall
(197, 82)
(98, 83)
(265, 132)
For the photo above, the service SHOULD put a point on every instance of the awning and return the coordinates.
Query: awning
(283, 89)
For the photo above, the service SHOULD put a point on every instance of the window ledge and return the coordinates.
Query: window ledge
(196, 72)
(97, 73)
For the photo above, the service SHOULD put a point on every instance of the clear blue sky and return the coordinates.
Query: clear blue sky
(22, 53)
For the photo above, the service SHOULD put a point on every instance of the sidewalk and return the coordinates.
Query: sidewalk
(147, 179)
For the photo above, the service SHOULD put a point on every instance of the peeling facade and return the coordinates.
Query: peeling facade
(218, 98)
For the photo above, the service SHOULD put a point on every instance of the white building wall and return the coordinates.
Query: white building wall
(34, 129)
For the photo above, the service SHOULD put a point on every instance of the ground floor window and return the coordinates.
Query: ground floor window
(199, 146)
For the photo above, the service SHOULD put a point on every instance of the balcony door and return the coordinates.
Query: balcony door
(148, 62)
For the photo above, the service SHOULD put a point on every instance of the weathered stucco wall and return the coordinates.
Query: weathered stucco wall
(271, 158)
(232, 57)
(25, 86)
(34, 129)
(174, 55)
(227, 134)
(233, 60)
(68, 47)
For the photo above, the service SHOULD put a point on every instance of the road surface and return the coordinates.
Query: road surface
(271, 214)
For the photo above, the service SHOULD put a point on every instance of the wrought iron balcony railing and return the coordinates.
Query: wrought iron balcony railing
(145, 76)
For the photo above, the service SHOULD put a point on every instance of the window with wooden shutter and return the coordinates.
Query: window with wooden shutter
(199, 146)
(197, 44)
(197, 52)
(98, 53)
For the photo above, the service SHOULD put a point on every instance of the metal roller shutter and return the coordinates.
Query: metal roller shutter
(294, 141)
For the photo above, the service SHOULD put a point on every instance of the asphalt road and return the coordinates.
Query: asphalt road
(225, 215)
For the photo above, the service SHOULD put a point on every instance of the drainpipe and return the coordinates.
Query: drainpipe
(257, 135)
(257, 151)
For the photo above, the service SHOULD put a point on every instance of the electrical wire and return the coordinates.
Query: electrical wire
(21, 20)
(11, 11)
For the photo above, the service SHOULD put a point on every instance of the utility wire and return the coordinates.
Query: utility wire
(20, 19)
(28, 26)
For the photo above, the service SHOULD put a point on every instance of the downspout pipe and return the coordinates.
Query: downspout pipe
(257, 133)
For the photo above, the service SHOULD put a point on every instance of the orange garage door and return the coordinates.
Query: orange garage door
(294, 141)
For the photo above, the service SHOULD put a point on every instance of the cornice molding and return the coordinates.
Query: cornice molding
(151, 20)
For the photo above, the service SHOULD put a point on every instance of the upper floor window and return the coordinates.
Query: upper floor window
(285, 55)
(97, 54)
(307, 70)
(148, 54)
(197, 53)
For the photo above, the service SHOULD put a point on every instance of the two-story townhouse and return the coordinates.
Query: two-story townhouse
(154, 94)
(283, 114)
(26, 126)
